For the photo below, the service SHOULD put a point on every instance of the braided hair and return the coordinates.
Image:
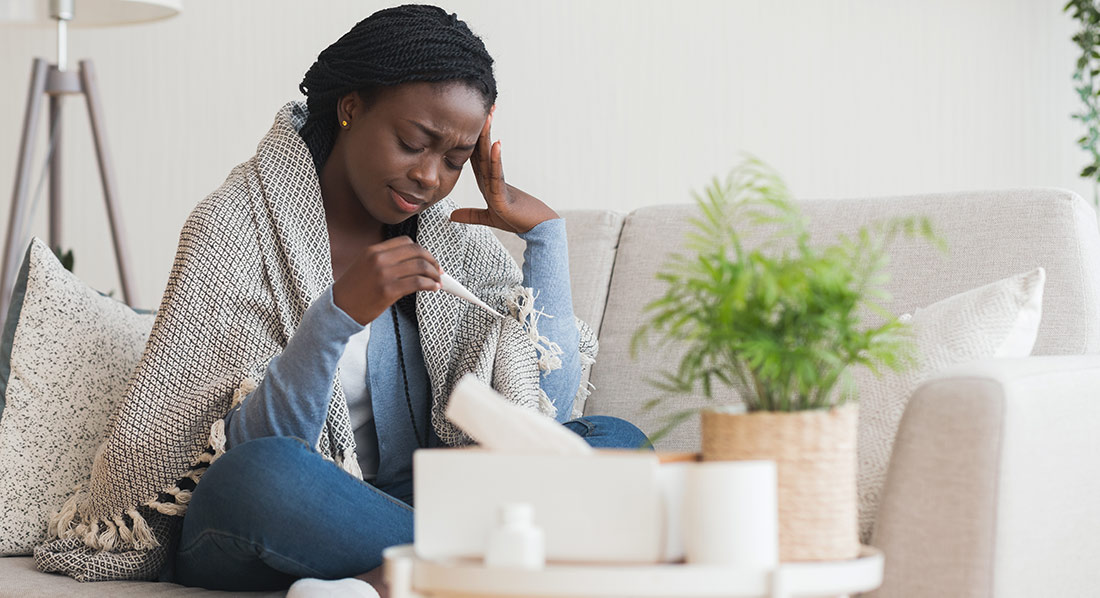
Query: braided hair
(397, 45)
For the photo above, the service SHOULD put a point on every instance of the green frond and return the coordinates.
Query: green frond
(778, 323)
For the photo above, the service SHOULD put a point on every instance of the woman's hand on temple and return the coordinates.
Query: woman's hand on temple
(382, 274)
(508, 208)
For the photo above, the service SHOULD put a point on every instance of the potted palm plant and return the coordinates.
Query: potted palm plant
(782, 324)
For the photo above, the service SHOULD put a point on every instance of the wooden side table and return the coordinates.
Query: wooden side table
(411, 577)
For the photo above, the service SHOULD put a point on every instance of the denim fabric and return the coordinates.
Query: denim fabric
(603, 431)
(272, 510)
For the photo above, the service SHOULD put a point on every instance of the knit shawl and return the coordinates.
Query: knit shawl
(251, 258)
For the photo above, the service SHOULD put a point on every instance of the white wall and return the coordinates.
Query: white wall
(614, 103)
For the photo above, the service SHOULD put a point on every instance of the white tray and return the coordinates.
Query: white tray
(410, 577)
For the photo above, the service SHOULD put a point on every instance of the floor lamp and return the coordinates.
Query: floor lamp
(54, 81)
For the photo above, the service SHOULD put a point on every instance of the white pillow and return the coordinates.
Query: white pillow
(71, 355)
(998, 320)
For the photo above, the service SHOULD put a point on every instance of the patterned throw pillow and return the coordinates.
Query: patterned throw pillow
(66, 358)
(998, 320)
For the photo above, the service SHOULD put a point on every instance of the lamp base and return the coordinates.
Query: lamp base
(53, 81)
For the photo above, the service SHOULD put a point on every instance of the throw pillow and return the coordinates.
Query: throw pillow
(68, 356)
(997, 320)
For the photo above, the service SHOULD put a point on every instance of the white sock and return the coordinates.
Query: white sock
(348, 587)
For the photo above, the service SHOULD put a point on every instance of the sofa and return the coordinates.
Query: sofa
(988, 491)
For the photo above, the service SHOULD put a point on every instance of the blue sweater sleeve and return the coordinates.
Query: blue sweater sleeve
(293, 397)
(546, 269)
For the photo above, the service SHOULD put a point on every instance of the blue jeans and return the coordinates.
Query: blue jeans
(272, 510)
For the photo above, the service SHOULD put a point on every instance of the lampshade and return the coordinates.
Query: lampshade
(91, 13)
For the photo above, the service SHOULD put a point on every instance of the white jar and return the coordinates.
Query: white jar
(516, 542)
(731, 515)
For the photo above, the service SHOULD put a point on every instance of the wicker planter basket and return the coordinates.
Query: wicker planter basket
(815, 455)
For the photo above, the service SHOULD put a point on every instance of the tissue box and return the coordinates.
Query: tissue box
(609, 507)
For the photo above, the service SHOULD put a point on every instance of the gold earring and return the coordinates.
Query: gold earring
(344, 124)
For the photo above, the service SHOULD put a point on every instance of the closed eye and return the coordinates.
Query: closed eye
(454, 166)
(416, 150)
(408, 148)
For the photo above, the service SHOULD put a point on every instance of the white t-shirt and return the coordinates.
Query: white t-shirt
(353, 377)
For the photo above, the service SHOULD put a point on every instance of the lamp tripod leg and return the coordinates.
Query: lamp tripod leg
(55, 171)
(106, 174)
(14, 247)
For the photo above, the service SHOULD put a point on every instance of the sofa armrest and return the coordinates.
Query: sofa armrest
(993, 483)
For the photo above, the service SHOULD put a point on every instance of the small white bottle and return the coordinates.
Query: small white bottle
(516, 542)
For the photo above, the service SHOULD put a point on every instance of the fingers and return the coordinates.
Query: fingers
(471, 216)
(391, 252)
(480, 158)
(496, 172)
(398, 288)
(416, 269)
(382, 274)
(406, 269)
(488, 169)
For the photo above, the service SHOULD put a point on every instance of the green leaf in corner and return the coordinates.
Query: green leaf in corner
(66, 258)
(1089, 170)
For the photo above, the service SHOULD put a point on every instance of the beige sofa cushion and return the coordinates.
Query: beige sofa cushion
(20, 579)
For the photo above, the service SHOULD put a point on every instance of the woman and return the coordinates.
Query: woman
(302, 336)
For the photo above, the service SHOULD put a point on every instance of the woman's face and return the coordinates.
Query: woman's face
(404, 152)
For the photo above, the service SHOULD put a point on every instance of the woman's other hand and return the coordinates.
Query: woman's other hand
(382, 274)
(508, 208)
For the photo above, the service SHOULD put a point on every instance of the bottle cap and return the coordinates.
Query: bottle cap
(517, 513)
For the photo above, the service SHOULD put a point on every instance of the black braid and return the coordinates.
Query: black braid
(405, 378)
(392, 46)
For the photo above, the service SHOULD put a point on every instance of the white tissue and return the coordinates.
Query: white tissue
(498, 425)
